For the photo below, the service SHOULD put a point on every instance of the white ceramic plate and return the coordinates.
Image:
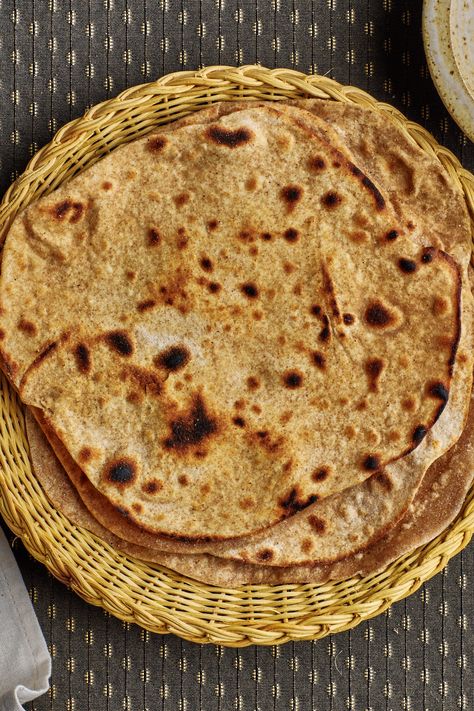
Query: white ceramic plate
(461, 27)
(442, 64)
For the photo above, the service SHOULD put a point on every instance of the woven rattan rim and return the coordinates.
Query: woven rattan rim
(150, 595)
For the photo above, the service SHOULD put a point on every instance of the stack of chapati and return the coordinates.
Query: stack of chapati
(245, 343)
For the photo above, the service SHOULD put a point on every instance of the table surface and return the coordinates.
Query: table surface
(56, 59)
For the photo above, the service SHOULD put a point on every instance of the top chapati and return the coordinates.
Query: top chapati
(225, 323)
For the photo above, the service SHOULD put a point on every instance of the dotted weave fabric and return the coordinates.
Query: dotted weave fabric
(56, 59)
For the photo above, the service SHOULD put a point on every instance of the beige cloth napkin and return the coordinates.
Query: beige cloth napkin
(25, 664)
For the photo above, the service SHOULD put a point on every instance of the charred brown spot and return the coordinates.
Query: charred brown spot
(134, 397)
(371, 462)
(152, 486)
(315, 310)
(145, 379)
(238, 421)
(50, 348)
(206, 264)
(419, 433)
(439, 391)
(391, 235)
(27, 327)
(154, 237)
(291, 194)
(307, 545)
(183, 480)
(192, 428)
(82, 357)
(348, 319)
(121, 471)
(325, 332)
(360, 219)
(291, 235)
(350, 432)
(246, 504)
(146, 305)
(269, 443)
(214, 287)
(212, 225)
(377, 315)
(292, 379)
(317, 524)
(253, 383)
(408, 266)
(264, 555)
(383, 479)
(246, 236)
(138, 508)
(331, 199)
(156, 144)
(120, 342)
(369, 185)
(318, 359)
(173, 358)
(107, 185)
(409, 404)
(181, 199)
(250, 290)
(373, 368)
(131, 276)
(291, 503)
(358, 236)
(66, 207)
(320, 474)
(85, 455)
(229, 138)
(362, 405)
(266, 236)
(251, 184)
(2, 333)
(427, 256)
(316, 164)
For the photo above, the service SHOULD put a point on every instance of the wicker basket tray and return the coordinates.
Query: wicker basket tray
(150, 595)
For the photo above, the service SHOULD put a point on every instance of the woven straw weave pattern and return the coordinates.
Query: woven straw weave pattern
(159, 600)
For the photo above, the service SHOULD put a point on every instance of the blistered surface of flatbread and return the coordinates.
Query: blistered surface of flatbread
(436, 504)
(228, 323)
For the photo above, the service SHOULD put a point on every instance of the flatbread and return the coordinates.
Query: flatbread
(327, 531)
(436, 504)
(297, 541)
(106, 377)
(424, 197)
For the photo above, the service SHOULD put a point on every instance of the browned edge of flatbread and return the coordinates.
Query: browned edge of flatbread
(438, 501)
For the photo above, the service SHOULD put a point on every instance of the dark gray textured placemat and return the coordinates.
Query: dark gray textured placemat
(57, 58)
